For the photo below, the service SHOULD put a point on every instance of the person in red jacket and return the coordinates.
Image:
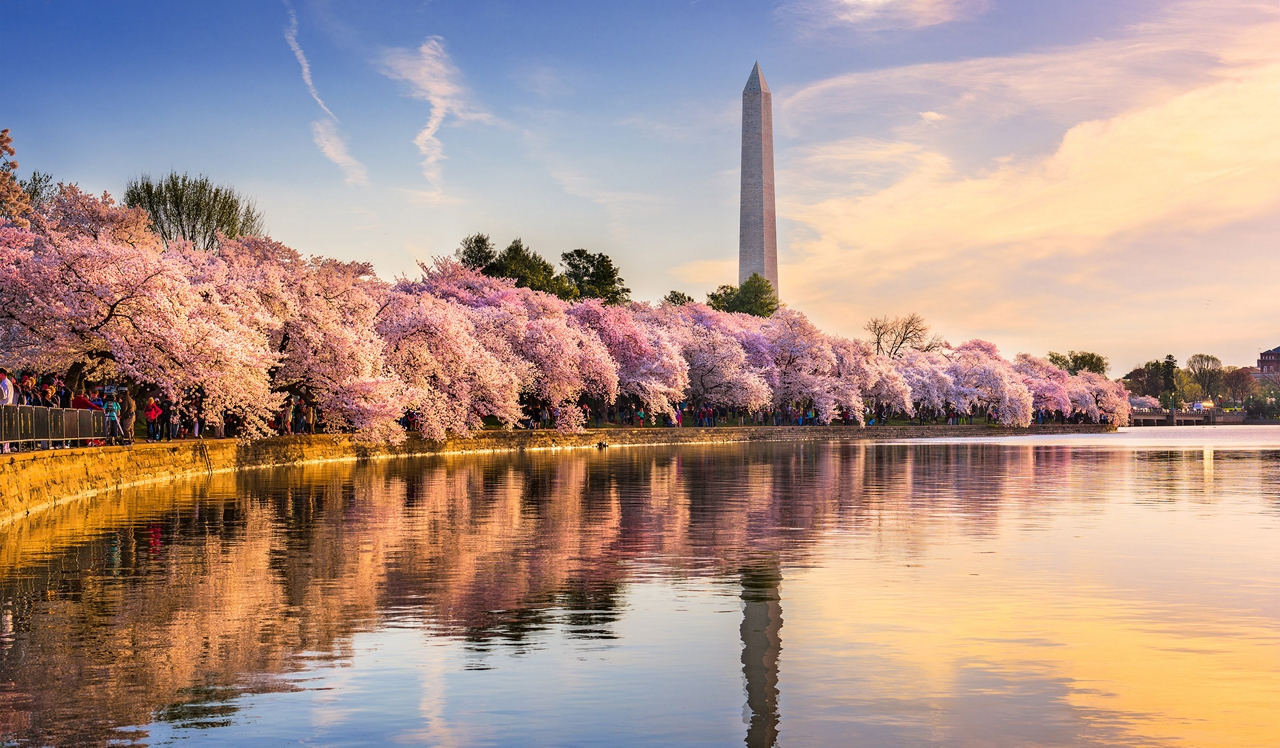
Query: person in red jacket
(152, 414)
(80, 402)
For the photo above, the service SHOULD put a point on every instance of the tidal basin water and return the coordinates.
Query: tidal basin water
(1121, 590)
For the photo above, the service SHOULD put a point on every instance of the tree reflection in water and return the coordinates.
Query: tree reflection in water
(169, 603)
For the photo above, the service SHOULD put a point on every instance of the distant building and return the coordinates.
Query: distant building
(1269, 361)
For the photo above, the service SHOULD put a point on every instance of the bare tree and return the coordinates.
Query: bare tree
(892, 336)
(1240, 383)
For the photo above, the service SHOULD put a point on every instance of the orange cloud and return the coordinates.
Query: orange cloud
(1169, 136)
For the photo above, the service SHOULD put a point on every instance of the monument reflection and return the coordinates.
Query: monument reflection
(761, 647)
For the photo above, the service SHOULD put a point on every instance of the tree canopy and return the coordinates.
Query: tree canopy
(1206, 371)
(677, 298)
(194, 208)
(529, 270)
(594, 276)
(1149, 379)
(587, 275)
(1075, 362)
(1240, 384)
(755, 297)
(477, 252)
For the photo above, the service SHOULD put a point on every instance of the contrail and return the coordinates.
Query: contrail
(291, 36)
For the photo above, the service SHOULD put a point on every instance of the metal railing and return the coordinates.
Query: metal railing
(34, 427)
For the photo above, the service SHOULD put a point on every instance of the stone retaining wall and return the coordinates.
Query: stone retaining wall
(33, 481)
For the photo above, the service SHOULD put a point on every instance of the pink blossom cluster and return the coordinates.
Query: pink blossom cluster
(1145, 402)
(89, 285)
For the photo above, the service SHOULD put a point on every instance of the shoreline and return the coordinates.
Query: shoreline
(33, 482)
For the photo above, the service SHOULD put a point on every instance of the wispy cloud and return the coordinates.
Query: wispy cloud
(324, 132)
(880, 14)
(433, 78)
(291, 36)
(1042, 191)
(330, 142)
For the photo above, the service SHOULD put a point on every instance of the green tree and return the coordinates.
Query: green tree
(1168, 373)
(755, 296)
(1206, 371)
(477, 252)
(594, 276)
(1077, 361)
(39, 187)
(1147, 379)
(1186, 388)
(529, 270)
(677, 298)
(194, 208)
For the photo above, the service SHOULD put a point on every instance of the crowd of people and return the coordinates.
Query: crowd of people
(122, 413)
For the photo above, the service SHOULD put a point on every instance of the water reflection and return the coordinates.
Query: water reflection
(172, 612)
(761, 647)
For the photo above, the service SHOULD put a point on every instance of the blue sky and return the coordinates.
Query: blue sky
(1048, 175)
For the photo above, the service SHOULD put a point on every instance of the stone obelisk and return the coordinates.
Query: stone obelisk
(757, 227)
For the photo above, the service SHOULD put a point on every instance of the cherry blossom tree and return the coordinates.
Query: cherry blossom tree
(1143, 401)
(1093, 395)
(451, 381)
(718, 370)
(650, 365)
(90, 288)
(116, 310)
(983, 379)
(1047, 383)
(926, 376)
(319, 316)
(75, 214)
(878, 378)
(559, 360)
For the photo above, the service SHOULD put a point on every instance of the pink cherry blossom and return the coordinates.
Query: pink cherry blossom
(650, 366)
(1143, 401)
(927, 378)
(558, 359)
(719, 373)
(982, 379)
(1093, 395)
(118, 310)
(1047, 383)
(451, 381)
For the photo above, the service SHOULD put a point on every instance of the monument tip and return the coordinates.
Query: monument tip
(756, 81)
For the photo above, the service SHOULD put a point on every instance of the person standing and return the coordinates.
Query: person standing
(112, 409)
(299, 415)
(81, 401)
(152, 414)
(6, 398)
(168, 422)
(128, 415)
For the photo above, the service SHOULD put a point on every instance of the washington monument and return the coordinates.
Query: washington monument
(757, 228)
